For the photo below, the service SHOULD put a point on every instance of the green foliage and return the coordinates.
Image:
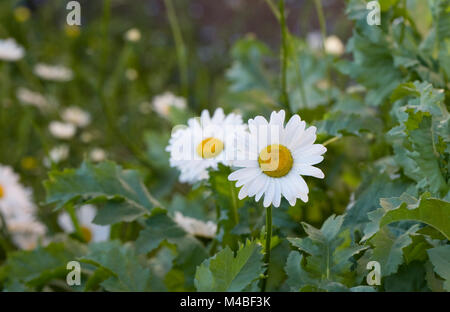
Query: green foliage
(228, 272)
(121, 192)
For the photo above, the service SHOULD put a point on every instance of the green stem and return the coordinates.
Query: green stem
(268, 245)
(323, 32)
(284, 58)
(179, 46)
(329, 141)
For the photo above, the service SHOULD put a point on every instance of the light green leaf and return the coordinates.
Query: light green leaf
(124, 196)
(228, 272)
(440, 258)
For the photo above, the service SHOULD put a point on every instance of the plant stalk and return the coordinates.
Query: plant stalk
(267, 248)
(284, 57)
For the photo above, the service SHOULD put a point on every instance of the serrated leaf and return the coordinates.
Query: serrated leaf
(227, 272)
(122, 262)
(123, 192)
(440, 258)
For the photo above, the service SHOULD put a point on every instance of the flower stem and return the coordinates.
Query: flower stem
(179, 46)
(284, 57)
(267, 249)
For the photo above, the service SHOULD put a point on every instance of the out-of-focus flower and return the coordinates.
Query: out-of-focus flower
(196, 227)
(275, 157)
(22, 14)
(62, 130)
(356, 89)
(10, 50)
(314, 40)
(53, 72)
(18, 210)
(29, 97)
(28, 163)
(163, 103)
(72, 31)
(206, 142)
(59, 153)
(76, 116)
(334, 45)
(133, 35)
(97, 154)
(131, 74)
(323, 84)
(85, 215)
(87, 137)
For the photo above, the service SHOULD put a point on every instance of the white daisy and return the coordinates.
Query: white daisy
(10, 50)
(206, 142)
(196, 227)
(85, 215)
(76, 116)
(18, 210)
(53, 72)
(334, 45)
(274, 157)
(59, 153)
(164, 102)
(133, 35)
(29, 97)
(62, 130)
(97, 154)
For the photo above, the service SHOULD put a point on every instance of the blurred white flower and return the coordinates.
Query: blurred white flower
(133, 35)
(196, 227)
(85, 215)
(334, 45)
(59, 153)
(29, 97)
(76, 116)
(97, 155)
(356, 89)
(10, 50)
(53, 72)
(18, 210)
(131, 74)
(162, 103)
(62, 130)
(314, 40)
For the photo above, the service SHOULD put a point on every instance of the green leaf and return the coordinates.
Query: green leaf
(37, 267)
(228, 272)
(128, 274)
(247, 71)
(388, 248)
(329, 251)
(432, 211)
(124, 196)
(440, 258)
(338, 124)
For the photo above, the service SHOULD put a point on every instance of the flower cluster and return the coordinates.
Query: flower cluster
(271, 157)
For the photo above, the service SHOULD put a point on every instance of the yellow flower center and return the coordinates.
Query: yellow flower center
(87, 233)
(210, 148)
(2, 192)
(275, 160)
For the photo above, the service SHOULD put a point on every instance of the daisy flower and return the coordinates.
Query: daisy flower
(196, 227)
(164, 102)
(28, 97)
(62, 130)
(18, 210)
(85, 215)
(206, 142)
(10, 51)
(274, 157)
(53, 72)
(334, 45)
(76, 116)
(133, 35)
(97, 154)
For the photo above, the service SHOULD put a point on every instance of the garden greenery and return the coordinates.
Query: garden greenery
(380, 107)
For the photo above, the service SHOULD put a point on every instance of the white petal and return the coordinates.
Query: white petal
(308, 170)
(268, 197)
(277, 193)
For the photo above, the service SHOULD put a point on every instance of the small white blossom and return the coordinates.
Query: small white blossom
(62, 130)
(10, 51)
(334, 45)
(29, 97)
(53, 73)
(76, 116)
(97, 155)
(196, 227)
(162, 103)
(133, 35)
